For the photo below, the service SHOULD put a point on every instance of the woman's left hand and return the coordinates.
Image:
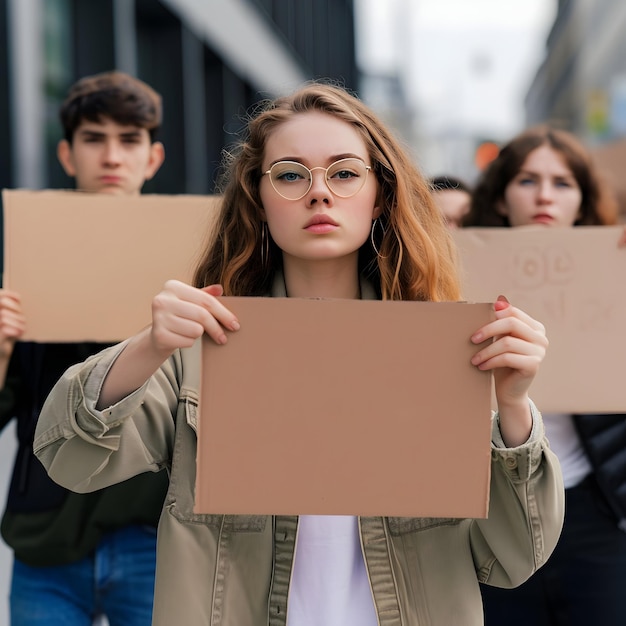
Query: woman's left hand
(519, 346)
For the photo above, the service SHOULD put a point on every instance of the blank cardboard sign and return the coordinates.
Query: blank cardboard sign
(572, 280)
(353, 407)
(88, 265)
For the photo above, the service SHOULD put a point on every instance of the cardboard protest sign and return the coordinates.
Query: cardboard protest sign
(88, 265)
(572, 280)
(345, 407)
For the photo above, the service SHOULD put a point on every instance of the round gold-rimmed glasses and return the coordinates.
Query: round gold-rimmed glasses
(292, 180)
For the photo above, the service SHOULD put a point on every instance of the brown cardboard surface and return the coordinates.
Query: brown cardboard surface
(88, 265)
(610, 159)
(345, 407)
(572, 280)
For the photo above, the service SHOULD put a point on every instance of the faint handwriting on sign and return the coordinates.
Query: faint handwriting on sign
(531, 268)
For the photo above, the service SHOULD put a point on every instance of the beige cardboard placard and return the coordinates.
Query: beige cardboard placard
(345, 407)
(573, 281)
(88, 265)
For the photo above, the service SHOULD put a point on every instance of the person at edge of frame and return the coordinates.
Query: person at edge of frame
(546, 176)
(79, 557)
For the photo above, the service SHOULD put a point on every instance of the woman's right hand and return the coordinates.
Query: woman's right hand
(182, 313)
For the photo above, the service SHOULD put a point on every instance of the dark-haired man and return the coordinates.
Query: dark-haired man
(81, 556)
(109, 124)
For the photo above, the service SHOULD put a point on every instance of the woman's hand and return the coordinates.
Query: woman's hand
(622, 240)
(181, 314)
(515, 354)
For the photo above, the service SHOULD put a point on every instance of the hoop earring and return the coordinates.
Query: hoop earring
(376, 221)
(265, 244)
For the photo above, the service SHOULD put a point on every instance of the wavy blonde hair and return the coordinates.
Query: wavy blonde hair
(416, 257)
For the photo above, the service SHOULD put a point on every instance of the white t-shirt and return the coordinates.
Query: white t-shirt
(329, 585)
(566, 444)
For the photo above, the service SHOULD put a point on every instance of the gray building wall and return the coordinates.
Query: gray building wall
(210, 60)
(582, 83)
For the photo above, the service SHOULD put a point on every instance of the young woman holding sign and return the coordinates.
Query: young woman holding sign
(546, 176)
(320, 201)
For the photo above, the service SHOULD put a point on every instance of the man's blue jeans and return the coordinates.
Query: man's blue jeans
(117, 581)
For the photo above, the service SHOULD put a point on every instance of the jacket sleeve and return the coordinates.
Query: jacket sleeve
(84, 449)
(526, 509)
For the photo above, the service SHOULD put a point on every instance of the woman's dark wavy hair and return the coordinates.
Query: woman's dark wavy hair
(598, 205)
(416, 259)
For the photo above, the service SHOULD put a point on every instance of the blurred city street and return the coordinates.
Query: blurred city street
(450, 76)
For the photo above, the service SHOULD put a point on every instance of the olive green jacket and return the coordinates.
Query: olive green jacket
(226, 570)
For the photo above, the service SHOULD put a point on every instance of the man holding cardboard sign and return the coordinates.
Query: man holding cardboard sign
(79, 556)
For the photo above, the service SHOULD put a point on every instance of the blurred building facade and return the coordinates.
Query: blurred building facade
(581, 85)
(210, 60)
(384, 39)
(582, 81)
